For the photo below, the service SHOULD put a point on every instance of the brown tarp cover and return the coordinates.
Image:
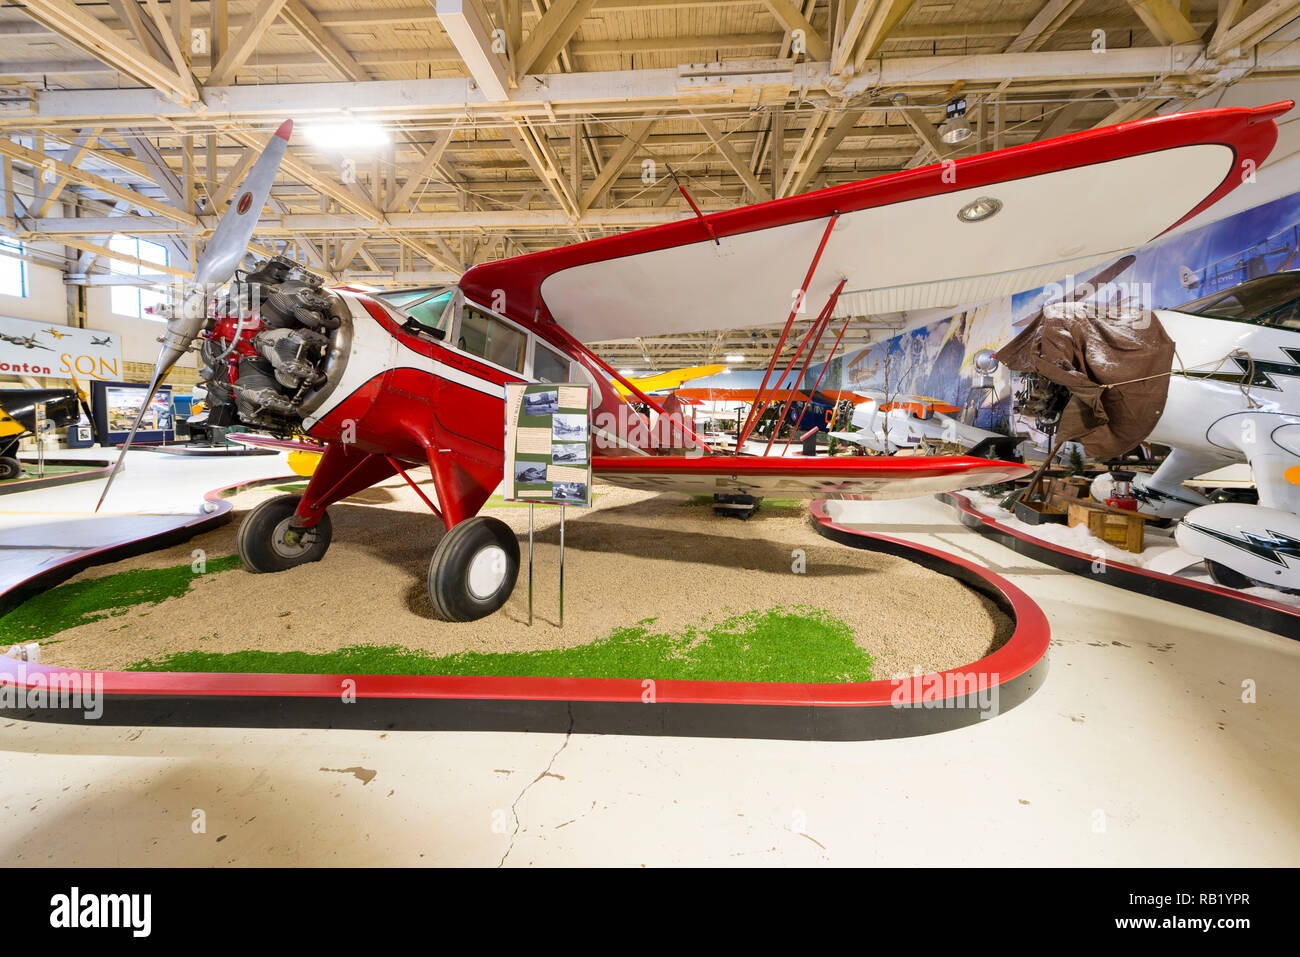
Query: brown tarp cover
(1085, 347)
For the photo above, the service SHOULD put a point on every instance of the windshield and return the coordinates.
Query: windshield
(1252, 301)
(426, 306)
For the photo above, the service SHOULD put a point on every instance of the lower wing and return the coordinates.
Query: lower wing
(852, 477)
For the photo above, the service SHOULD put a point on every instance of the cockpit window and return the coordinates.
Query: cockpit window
(428, 307)
(1269, 300)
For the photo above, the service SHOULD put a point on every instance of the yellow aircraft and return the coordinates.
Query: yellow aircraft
(669, 380)
(55, 333)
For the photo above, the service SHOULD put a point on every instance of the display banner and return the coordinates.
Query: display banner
(548, 443)
(59, 352)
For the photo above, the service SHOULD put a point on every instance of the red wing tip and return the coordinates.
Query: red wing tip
(285, 129)
(1272, 110)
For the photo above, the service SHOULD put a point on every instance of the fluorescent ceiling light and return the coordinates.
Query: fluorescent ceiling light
(627, 372)
(346, 135)
(734, 358)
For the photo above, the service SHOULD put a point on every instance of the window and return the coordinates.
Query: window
(134, 300)
(13, 271)
(549, 366)
(489, 337)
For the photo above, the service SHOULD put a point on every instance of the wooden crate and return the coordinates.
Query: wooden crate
(1068, 486)
(1037, 513)
(1114, 526)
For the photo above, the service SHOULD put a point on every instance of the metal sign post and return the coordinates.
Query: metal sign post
(530, 564)
(561, 566)
(40, 439)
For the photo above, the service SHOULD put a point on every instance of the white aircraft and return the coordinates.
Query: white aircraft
(1234, 396)
(908, 424)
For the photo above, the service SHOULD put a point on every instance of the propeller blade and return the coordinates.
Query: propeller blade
(220, 258)
(230, 238)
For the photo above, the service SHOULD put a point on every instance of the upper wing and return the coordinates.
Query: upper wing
(884, 477)
(1067, 204)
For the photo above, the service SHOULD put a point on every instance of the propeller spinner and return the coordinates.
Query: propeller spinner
(220, 258)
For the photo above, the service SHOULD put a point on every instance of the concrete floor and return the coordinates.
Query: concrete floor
(1138, 750)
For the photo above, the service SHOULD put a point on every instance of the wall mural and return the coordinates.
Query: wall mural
(936, 361)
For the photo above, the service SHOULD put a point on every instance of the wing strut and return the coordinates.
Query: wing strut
(817, 385)
(751, 420)
(814, 335)
(702, 218)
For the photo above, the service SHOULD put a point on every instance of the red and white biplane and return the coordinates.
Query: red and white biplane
(383, 389)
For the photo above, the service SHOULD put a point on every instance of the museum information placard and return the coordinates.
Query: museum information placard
(548, 443)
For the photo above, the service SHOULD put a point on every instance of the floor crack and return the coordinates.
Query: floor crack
(545, 772)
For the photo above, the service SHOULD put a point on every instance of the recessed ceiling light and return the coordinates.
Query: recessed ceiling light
(978, 210)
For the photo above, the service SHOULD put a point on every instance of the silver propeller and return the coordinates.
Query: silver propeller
(220, 258)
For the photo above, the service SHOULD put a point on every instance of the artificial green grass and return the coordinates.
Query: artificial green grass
(794, 644)
(30, 470)
(79, 603)
(797, 644)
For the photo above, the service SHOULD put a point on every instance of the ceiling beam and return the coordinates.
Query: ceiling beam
(172, 43)
(40, 161)
(884, 19)
(422, 171)
(551, 34)
(1165, 21)
(581, 94)
(76, 25)
(484, 54)
(47, 193)
(1049, 19)
(326, 45)
(790, 17)
(635, 137)
(927, 133)
(242, 47)
(1269, 18)
(834, 135)
(739, 167)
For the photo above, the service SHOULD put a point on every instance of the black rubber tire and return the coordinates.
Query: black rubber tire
(1226, 577)
(10, 468)
(255, 543)
(449, 589)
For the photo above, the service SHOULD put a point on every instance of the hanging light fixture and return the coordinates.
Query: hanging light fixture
(955, 128)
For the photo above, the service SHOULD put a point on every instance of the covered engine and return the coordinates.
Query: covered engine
(271, 347)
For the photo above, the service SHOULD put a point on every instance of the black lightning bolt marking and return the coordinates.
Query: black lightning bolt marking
(1271, 549)
(1263, 370)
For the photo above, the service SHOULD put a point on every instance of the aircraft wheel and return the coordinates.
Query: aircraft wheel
(10, 468)
(1226, 577)
(269, 542)
(473, 569)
